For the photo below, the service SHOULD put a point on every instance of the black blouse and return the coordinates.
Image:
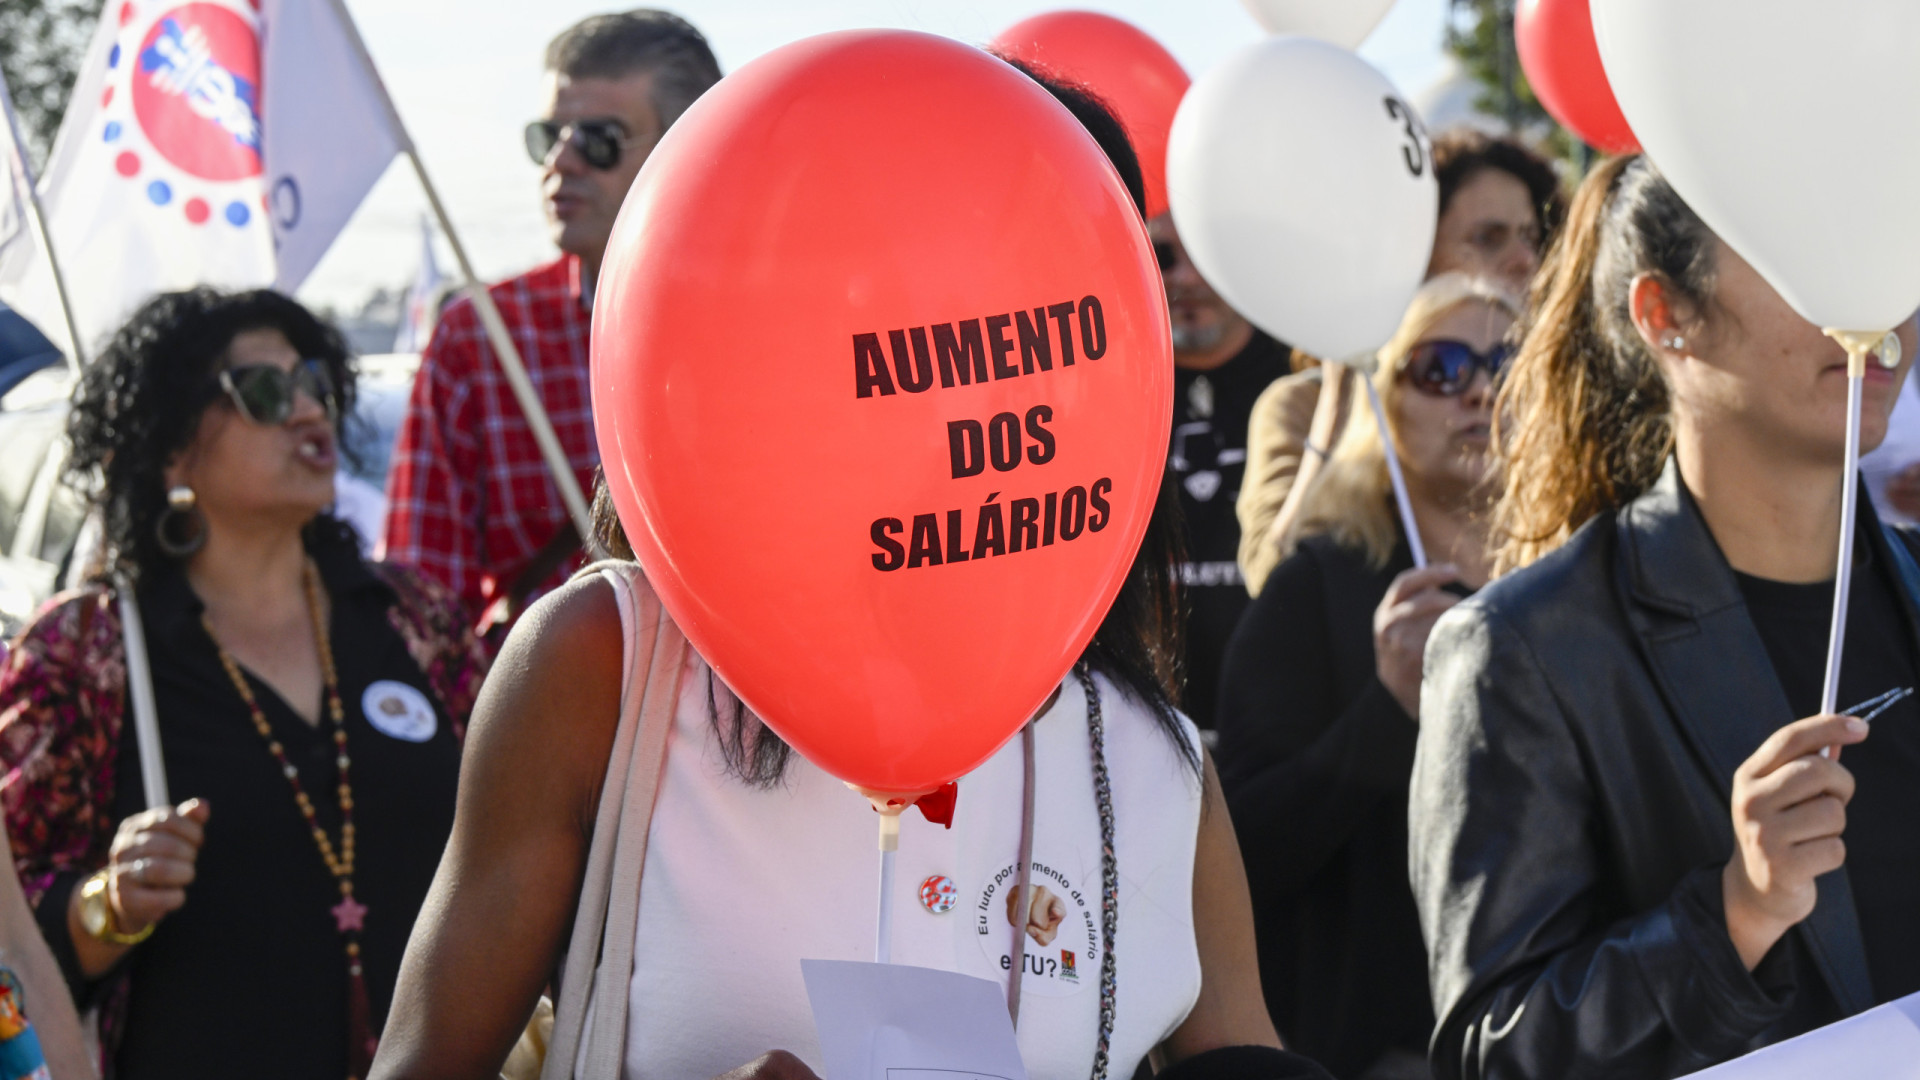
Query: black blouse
(250, 978)
(1883, 857)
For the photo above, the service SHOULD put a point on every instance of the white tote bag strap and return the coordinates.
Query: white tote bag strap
(146, 716)
(590, 1018)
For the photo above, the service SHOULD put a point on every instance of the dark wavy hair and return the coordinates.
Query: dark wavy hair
(1461, 154)
(1098, 117)
(1138, 644)
(140, 402)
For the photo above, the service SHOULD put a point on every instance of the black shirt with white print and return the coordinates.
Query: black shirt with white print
(1207, 457)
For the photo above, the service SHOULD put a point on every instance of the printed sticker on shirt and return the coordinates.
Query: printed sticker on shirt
(399, 710)
(1061, 923)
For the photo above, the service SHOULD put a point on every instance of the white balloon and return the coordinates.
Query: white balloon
(1787, 126)
(1346, 23)
(1302, 186)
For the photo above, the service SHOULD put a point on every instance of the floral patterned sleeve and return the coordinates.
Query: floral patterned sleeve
(439, 634)
(62, 688)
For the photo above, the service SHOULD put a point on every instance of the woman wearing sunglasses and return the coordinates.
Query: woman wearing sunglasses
(309, 711)
(1320, 693)
(1630, 857)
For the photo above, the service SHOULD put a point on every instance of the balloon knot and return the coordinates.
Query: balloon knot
(937, 806)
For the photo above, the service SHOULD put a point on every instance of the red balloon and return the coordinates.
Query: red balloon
(1117, 60)
(1562, 62)
(882, 380)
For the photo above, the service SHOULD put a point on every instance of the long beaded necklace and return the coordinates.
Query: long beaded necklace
(349, 914)
(1109, 869)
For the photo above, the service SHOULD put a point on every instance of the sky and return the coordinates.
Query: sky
(466, 77)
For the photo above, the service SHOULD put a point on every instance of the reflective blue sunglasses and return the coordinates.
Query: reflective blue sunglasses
(1446, 368)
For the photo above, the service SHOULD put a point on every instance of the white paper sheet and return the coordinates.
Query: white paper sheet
(893, 1022)
(1879, 1044)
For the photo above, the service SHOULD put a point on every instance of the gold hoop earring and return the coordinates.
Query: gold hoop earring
(182, 528)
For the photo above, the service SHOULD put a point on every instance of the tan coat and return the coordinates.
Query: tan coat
(1277, 444)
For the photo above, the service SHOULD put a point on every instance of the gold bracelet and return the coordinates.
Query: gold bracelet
(96, 914)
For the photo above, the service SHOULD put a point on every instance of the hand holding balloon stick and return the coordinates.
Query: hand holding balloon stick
(882, 381)
(1302, 186)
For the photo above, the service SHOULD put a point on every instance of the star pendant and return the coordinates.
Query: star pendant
(349, 914)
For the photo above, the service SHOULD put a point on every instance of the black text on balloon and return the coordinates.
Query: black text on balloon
(943, 538)
(972, 446)
(992, 347)
(1415, 152)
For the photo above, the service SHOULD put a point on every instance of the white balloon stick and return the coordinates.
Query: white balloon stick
(889, 847)
(1393, 473)
(1843, 576)
(1857, 345)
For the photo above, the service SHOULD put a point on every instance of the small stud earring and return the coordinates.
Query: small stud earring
(1676, 343)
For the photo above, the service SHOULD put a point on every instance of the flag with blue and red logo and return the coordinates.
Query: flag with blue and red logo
(219, 142)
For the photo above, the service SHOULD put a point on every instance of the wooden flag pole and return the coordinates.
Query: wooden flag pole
(496, 328)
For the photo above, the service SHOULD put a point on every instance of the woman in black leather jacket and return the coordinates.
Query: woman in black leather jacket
(1629, 857)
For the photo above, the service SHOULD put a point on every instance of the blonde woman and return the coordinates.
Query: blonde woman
(1320, 693)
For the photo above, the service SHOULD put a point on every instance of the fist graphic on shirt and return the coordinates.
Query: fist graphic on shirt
(1041, 913)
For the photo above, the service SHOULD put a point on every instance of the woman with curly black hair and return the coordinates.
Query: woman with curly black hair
(309, 711)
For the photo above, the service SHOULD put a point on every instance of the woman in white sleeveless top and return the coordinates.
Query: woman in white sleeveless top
(754, 859)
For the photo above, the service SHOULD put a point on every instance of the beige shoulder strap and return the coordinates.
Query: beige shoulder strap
(590, 1018)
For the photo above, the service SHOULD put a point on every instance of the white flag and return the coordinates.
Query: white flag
(328, 133)
(164, 175)
(422, 308)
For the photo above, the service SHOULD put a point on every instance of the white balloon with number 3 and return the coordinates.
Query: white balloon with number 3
(1788, 126)
(1302, 188)
(1346, 23)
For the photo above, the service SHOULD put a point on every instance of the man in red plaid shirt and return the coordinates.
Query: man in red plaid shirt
(472, 502)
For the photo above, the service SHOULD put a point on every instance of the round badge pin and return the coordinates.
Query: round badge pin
(400, 711)
(938, 894)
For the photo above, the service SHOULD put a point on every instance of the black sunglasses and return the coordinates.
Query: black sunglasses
(264, 393)
(1168, 256)
(598, 141)
(1446, 368)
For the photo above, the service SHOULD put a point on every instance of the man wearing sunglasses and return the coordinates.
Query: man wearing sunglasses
(1221, 365)
(472, 502)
